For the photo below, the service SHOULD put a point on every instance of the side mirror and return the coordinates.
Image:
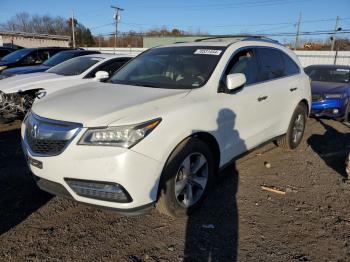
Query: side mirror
(234, 81)
(101, 75)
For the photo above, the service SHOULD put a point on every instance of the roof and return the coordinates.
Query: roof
(111, 56)
(224, 41)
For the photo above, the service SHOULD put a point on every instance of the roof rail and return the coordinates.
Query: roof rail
(240, 37)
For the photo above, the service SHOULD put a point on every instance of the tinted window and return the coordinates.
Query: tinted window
(74, 66)
(31, 59)
(4, 52)
(17, 55)
(183, 67)
(111, 66)
(244, 62)
(290, 68)
(328, 74)
(42, 56)
(271, 64)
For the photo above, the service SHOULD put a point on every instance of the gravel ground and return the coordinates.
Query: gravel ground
(309, 220)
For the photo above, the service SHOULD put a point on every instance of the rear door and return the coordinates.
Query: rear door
(280, 86)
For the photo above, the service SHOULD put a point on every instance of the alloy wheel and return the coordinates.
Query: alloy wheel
(191, 179)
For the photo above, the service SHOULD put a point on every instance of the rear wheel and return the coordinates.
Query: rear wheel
(295, 132)
(186, 178)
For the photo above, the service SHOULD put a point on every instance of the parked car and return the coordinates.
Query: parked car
(18, 93)
(28, 57)
(163, 125)
(330, 85)
(5, 51)
(51, 62)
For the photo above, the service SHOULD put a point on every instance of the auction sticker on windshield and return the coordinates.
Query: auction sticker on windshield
(207, 52)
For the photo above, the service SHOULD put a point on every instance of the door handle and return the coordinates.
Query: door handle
(262, 98)
(293, 89)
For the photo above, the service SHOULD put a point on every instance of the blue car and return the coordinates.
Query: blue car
(54, 60)
(330, 87)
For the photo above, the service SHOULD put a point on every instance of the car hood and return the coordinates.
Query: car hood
(25, 69)
(100, 104)
(318, 87)
(25, 82)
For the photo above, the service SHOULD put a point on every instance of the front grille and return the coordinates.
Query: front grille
(46, 137)
(317, 98)
(50, 147)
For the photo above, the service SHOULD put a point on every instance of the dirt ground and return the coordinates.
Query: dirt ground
(238, 221)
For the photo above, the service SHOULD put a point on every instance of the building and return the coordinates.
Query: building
(33, 40)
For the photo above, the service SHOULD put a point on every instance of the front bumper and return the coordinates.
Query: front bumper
(330, 108)
(136, 173)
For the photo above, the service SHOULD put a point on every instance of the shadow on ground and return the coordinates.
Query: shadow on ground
(20, 195)
(332, 147)
(212, 231)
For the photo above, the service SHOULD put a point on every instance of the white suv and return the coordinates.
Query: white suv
(166, 122)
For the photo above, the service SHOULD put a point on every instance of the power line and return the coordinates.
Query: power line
(292, 34)
(116, 19)
(229, 25)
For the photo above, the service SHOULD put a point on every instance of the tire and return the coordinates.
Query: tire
(191, 153)
(291, 140)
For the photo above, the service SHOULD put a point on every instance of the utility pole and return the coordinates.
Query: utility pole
(298, 32)
(116, 19)
(73, 29)
(334, 32)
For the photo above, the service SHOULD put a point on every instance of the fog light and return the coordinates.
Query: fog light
(99, 190)
(335, 111)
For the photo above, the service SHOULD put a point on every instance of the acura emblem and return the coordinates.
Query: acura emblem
(35, 130)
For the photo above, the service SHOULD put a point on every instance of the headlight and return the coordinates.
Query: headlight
(121, 136)
(334, 95)
(3, 67)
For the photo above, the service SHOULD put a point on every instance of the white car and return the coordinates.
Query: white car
(163, 126)
(17, 93)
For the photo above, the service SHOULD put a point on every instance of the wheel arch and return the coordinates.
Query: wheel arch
(306, 103)
(206, 138)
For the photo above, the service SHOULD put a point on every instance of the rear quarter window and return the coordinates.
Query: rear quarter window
(291, 67)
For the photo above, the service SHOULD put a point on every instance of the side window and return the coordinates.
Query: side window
(30, 59)
(113, 66)
(42, 56)
(244, 62)
(109, 66)
(271, 64)
(290, 67)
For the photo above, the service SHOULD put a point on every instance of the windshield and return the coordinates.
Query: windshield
(328, 74)
(74, 66)
(170, 67)
(59, 58)
(16, 56)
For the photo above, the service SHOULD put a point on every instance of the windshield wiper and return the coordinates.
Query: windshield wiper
(143, 84)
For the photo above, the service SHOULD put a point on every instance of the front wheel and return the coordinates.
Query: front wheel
(186, 178)
(296, 129)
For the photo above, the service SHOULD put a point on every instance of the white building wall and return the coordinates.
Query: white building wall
(34, 42)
